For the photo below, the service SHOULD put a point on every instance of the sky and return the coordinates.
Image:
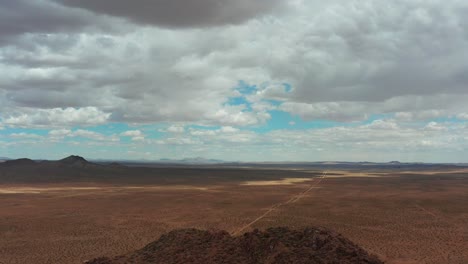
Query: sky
(264, 80)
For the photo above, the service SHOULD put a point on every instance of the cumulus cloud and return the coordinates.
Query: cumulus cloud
(59, 133)
(381, 136)
(463, 116)
(225, 134)
(380, 140)
(93, 135)
(339, 111)
(176, 129)
(434, 126)
(180, 13)
(136, 135)
(57, 117)
(24, 135)
(223, 130)
(173, 129)
(83, 133)
(344, 61)
(132, 133)
(181, 141)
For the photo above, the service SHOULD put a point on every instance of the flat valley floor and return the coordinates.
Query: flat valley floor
(401, 216)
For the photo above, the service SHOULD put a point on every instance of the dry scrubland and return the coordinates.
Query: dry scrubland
(403, 217)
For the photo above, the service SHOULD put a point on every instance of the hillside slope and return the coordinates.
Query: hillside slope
(274, 245)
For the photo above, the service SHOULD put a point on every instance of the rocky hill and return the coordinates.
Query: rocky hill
(19, 162)
(74, 161)
(274, 245)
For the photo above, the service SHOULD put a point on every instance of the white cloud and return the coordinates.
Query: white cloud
(57, 117)
(463, 116)
(136, 135)
(132, 133)
(198, 132)
(24, 135)
(228, 129)
(422, 115)
(223, 135)
(223, 130)
(93, 135)
(434, 126)
(177, 141)
(339, 111)
(58, 134)
(235, 116)
(175, 129)
(381, 140)
(383, 124)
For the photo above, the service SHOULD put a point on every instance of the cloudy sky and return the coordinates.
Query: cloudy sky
(264, 80)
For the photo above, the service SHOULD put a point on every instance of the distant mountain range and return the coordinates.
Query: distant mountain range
(77, 160)
(74, 161)
(78, 169)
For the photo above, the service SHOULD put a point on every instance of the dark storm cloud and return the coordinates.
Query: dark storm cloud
(19, 17)
(179, 13)
(23, 16)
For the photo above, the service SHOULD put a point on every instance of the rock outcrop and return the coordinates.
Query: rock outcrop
(274, 245)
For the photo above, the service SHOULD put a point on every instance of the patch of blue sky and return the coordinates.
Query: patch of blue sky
(240, 100)
(287, 87)
(275, 103)
(112, 128)
(150, 130)
(284, 121)
(127, 140)
(448, 119)
(245, 88)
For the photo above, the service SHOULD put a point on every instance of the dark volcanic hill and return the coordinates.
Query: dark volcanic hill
(74, 161)
(73, 168)
(19, 162)
(275, 245)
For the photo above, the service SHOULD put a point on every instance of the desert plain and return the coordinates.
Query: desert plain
(60, 214)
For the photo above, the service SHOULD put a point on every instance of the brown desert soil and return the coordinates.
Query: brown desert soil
(400, 217)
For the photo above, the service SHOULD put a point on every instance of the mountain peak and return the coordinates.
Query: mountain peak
(74, 160)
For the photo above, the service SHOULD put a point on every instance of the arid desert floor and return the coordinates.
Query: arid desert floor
(401, 216)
